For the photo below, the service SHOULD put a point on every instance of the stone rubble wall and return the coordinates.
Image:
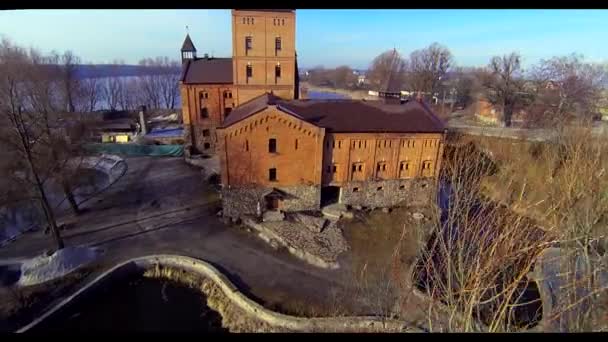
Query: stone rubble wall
(242, 201)
(247, 305)
(415, 192)
(298, 241)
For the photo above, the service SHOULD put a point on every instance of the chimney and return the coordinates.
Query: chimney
(142, 120)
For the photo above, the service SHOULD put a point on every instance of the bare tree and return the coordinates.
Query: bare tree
(387, 64)
(569, 86)
(168, 81)
(427, 68)
(112, 88)
(69, 79)
(150, 84)
(23, 132)
(504, 84)
(91, 93)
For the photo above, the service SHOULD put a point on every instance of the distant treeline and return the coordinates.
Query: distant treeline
(113, 70)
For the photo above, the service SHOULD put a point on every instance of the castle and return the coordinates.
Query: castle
(278, 152)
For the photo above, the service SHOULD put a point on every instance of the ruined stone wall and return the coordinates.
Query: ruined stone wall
(388, 193)
(243, 200)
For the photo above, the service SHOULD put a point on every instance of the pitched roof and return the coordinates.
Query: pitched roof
(249, 108)
(188, 45)
(354, 116)
(367, 116)
(207, 70)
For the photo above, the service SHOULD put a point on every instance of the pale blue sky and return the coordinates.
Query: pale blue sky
(327, 37)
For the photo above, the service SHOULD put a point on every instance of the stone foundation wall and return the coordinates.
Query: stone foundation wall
(239, 201)
(406, 191)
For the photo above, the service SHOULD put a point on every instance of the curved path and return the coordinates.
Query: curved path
(162, 206)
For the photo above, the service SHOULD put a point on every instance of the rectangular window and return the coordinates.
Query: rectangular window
(339, 144)
(354, 168)
(334, 168)
(296, 144)
(205, 132)
(272, 174)
(360, 168)
(249, 71)
(272, 145)
(355, 189)
(206, 146)
(277, 71)
(204, 113)
(277, 44)
(246, 145)
(248, 44)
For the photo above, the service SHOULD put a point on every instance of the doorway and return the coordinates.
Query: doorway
(272, 203)
(330, 195)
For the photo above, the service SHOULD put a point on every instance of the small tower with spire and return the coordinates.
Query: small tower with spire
(188, 49)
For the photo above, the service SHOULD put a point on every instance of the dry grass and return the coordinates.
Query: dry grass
(19, 305)
(482, 253)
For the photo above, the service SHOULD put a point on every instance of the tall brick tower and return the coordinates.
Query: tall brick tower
(263, 53)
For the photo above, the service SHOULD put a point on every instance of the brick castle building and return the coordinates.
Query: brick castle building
(277, 152)
(263, 60)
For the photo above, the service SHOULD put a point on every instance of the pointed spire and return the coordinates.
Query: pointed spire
(188, 45)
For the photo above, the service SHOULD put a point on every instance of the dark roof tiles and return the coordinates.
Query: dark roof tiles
(353, 116)
(188, 45)
(366, 116)
(207, 70)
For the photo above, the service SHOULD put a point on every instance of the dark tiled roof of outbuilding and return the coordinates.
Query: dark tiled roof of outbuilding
(354, 116)
(366, 116)
(207, 71)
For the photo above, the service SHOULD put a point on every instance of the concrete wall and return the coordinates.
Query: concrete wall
(237, 298)
(388, 193)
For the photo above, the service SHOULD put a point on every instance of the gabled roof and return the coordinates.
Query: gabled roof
(207, 70)
(348, 116)
(249, 108)
(367, 116)
(188, 45)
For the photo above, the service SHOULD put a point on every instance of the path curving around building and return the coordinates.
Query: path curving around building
(235, 296)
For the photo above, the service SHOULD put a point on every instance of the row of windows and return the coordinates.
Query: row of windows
(205, 95)
(401, 187)
(380, 167)
(275, 21)
(272, 145)
(382, 143)
(278, 44)
(249, 71)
